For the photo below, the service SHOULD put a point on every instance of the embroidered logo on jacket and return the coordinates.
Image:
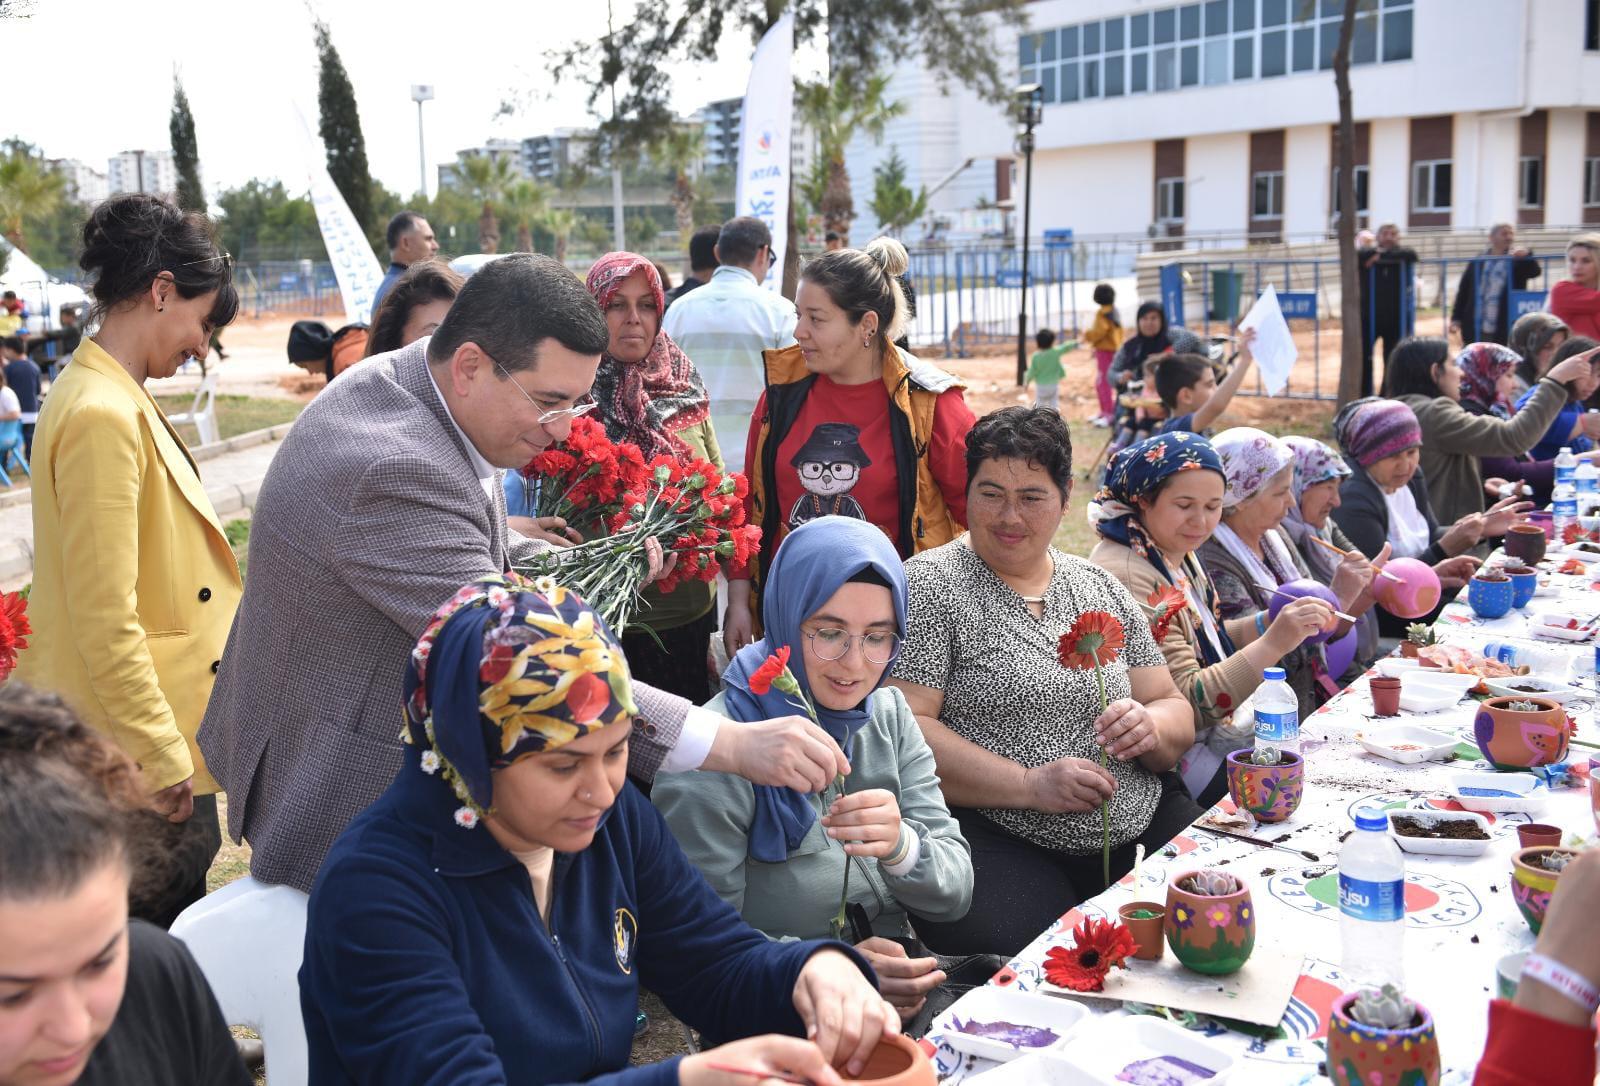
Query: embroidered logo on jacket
(624, 932)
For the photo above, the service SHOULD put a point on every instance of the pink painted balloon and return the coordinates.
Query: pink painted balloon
(1415, 595)
(1341, 653)
(1293, 590)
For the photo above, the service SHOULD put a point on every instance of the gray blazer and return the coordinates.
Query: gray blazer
(370, 517)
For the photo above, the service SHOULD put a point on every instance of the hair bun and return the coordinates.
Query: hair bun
(889, 255)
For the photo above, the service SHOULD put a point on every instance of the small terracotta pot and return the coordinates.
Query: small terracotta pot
(1212, 935)
(1147, 931)
(897, 1061)
(1408, 649)
(1536, 834)
(1271, 793)
(1385, 695)
(1531, 886)
(1361, 1055)
(1517, 739)
(1527, 542)
(1489, 595)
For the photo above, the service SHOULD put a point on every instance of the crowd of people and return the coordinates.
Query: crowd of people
(567, 814)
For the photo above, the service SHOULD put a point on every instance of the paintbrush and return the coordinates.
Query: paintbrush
(1291, 596)
(756, 1072)
(1258, 842)
(1380, 572)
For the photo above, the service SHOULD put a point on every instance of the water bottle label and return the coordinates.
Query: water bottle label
(1364, 900)
(1277, 727)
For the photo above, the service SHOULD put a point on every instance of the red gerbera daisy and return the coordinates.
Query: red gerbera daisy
(1098, 946)
(1166, 604)
(761, 681)
(1093, 641)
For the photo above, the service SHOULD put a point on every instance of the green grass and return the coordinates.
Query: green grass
(237, 414)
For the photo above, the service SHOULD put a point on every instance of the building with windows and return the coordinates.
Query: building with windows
(85, 184)
(142, 171)
(1217, 117)
(547, 158)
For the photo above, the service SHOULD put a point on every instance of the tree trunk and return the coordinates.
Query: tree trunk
(838, 206)
(1351, 349)
(561, 248)
(683, 206)
(488, 231)
(791, 251)
(524, 238)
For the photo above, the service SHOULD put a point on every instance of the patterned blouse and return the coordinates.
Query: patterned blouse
(972, 637)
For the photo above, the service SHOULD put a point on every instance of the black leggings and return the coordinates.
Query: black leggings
(1020, 889)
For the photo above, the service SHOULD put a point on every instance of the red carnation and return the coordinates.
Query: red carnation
(1098, 946)
(761, 681)
(14, 631)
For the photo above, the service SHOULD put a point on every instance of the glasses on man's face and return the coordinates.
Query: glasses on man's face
(546, 417)
(831, 643)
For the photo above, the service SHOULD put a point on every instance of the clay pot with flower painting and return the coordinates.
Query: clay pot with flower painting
(1381, 1038)
(1211, 921)
(1521, 732)
(1271, 791)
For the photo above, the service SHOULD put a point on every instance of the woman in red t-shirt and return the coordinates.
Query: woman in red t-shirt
(851, 425)
(1576, 299)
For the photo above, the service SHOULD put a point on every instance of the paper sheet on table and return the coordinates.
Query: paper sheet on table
(1273, 348)
(1258, 993)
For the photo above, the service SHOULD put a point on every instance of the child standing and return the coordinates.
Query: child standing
(1105, 336)
(1045, 370)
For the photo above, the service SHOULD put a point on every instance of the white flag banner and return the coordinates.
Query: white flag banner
(764, 129)
(355, 266)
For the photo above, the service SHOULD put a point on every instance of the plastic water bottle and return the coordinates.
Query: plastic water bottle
(1563, 507)
(1586, 477)
(1566, 465)
(1372, 914)
(1277, 712)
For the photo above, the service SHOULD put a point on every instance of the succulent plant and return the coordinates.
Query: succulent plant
(1555, 861)
(1267, 756)
(1520, 706)
(1385, 1009)
(1210, 884)
(1420, 633)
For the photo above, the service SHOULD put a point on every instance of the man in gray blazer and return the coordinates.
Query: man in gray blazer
(384, 500)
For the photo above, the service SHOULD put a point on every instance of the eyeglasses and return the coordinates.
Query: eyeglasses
(840, 470)
(546, 418)
(831, 643)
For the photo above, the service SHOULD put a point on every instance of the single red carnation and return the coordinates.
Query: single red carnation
(775, 665)
(1092, 642)
(1098, 946)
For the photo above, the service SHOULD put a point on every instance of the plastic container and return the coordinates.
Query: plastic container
(1277, 711)
(989, 1004)
(1408, 744)
(1496, 793)
(1441, 846)
(1372, 879)
(1566, 466)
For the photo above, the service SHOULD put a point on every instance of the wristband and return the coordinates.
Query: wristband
(1552, 974)
(902, 845)
(1261, 623)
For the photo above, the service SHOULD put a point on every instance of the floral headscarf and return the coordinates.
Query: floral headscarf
(1314, 463)
(646, 402)
(507, 668)
(1482, 365)
(1250, 458)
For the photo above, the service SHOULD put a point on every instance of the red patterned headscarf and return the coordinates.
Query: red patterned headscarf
(647, 402)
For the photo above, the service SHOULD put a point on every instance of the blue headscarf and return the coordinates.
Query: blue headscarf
(814, 561)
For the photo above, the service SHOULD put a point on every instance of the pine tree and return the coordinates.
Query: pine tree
(341, 131)
(893, 202)
(185, 150)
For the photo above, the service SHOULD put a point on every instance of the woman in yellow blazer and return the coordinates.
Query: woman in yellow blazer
(135, 585)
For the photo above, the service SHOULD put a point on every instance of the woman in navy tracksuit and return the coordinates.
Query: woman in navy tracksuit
(491, 917)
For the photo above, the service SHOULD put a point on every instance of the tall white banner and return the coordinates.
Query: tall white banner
(764, 129)
(355, 266)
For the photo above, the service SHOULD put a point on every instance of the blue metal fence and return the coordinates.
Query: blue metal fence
(302, 287)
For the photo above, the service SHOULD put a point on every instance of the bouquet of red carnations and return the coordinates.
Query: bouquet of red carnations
(598, 485)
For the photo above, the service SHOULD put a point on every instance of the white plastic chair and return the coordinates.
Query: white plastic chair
(249, 939)
(202, 414)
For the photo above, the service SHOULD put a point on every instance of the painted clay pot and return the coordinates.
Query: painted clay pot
(1532, 885)
(897, 1061)
(1213, 935)
(1385, 695)
(1417, 592)
(1269, 792)
(1290, 591)
(1146, 931)
(1521, 739)
(1524, 583)
(1360, 1055)
(1535, 834)
(1526, 542)
(1489, 595)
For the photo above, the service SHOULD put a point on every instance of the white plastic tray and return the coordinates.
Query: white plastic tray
(991, 1004)
(1425, 697)
(1115, 1043)
(1429, 744)
(1428, 847)
(1524, 797)
(1553, 689)
(1392, 667)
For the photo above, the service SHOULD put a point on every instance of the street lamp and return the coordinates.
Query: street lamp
(1030, 109)
(420, 93)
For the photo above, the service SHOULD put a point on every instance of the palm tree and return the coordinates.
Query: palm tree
(523, 204)
(485, 178)
(29, 189)
(559, 221)
(837, 110)
(681, 149)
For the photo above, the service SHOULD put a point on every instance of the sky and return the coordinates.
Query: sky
(86, 79)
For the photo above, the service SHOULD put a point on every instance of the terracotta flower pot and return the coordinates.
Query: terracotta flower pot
(1527, 542)
(1408, 649)
(1212, 935)
(1360, 1055)
(1519, 739)
(1531, 885)
(1385, 695)
(1490, 595)
(1269, 792)
(1146, 931)
(897, 1061)
(1535, 834)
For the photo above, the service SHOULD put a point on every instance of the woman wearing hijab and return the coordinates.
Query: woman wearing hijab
(1150, 339)
(1249, 555)
(1535, 338)
(491, 917)
(1162, 500)
(837, 600)
(650, 394)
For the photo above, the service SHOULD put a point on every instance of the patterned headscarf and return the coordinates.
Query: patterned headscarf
(1374, 428)
(1482, 365)
(647, 402)
(507, 668)
(1529, 336)
(1314, 463)
(1250, 458)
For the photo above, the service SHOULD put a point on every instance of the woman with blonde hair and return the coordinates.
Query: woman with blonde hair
(1576, 299)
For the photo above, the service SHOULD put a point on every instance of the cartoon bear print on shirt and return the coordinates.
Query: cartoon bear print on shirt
(829, 466)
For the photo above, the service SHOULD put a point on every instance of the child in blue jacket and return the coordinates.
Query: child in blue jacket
(490, 918)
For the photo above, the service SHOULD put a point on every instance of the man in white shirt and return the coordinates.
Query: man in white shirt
(725, 325)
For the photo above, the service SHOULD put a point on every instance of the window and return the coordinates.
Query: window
(1591, 25)
(1591, 182)
(1166, 69)
(1138, 30)
(1069, 82)
(1189, 65)
(1274, 53)
(1139, 73)
(1397, 35)
(1361, 173)
(1430, 185)
(1113, 77)
(1244, 55)
(1266, 196)
(1169, 199)
(1091, 79)
(1216, 59)
(1305, 48)
(1530, 181)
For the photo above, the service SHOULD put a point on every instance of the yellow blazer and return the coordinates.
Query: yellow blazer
(135, 586)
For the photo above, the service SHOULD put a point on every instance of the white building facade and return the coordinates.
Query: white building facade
(142, 171)
(85, 184)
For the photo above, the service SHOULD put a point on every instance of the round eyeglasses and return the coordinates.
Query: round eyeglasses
(831, 643)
